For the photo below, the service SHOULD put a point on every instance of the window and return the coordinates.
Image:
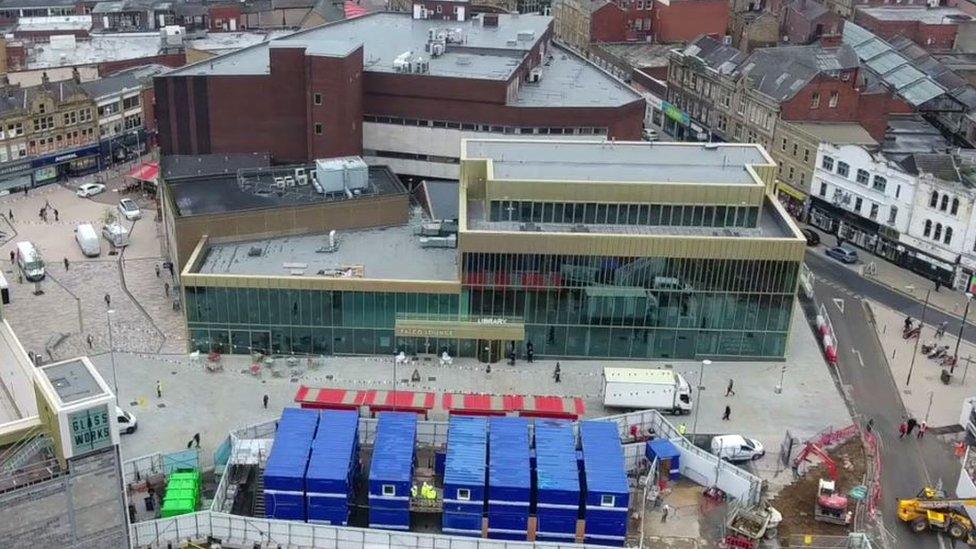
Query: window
(934, 199)
(318, 129)
(944, 205)
(832, 102)
(783, 146)
(897, 191)
(14, 130)
(955, 206)
(389, 490)
(43, 123)
(879, 183)
(828, 163)
(607, 501)
(858, 202)
(794, 150)
(948, 235)
(823, 188)
(791, 173)
(892, 215)
(133, 121)
(317, 98)
(862, 177)
(130, 102)
(843, 169)
(928, 228)
(84, 115)
(937, 234)
(806, 155)
(874, 211)
(42, 108)
(70, 118)
(815, 101)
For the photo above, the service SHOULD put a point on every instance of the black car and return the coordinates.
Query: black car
(813, 237)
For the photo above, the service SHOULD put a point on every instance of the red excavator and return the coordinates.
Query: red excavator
(831, 505)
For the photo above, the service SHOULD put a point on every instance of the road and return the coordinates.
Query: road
(907, 464)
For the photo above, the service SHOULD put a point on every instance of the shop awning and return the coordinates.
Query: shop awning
(147, 171)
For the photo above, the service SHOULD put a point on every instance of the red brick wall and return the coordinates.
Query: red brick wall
(684, 20)
(608, 24)
(224, 13)
(934, 37)
(340, 83)
(447, 9)
(874, 110)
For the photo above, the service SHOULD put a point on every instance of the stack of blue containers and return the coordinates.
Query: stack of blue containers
(557, 481)
(605, 477)
(509, 478)
(391, 471)
(464, 475)
(284, 475)
(331, 472)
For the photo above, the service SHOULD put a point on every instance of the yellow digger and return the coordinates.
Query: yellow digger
(932, 510)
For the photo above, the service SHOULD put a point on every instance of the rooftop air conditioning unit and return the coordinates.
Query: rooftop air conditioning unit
(535, 75)
(437, 49)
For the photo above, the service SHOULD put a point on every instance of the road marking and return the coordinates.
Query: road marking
(859, 359)
(840, 304)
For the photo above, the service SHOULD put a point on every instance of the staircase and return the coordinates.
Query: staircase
(258, 508)
(23, 452)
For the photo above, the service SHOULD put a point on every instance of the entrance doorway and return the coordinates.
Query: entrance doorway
(489, 351)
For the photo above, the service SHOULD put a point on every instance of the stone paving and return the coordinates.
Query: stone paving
(72, 304)
(215, 403)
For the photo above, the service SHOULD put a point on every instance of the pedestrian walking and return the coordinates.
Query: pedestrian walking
(157, 270)
(665, 511)
(728, 413)
(938, 284)
(940, 332)
(66, 263)
(682, 429)
(40, 214)
(196, 439)
(159, 389)
(56, 214)
(911, 425)
(12, 256)
(166, 288)
(108, 300)
(90, 341)
(922, 427)
(870, 426)
(556, 373)
(10, 215)
(729, 390)
(25, 190)
(908, 323)
(265, 401)
(902, 429)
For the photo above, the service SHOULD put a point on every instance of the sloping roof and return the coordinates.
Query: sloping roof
(291, 4)
(781, 72)
(328, 10)
(127, 79)
(942, 166)
(809, 9)
(714, 54)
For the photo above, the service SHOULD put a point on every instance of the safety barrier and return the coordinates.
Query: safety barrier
(827, 340)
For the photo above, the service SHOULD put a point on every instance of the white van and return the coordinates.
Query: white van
(737, 448)
(30, 262)
(116, 234)
(87, 240)
(127, 422)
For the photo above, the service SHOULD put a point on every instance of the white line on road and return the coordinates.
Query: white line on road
(859, 359)
(840, 304)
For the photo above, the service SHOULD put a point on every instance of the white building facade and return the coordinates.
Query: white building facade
(863, 198)
(943, 229)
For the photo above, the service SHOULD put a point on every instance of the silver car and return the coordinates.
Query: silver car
(129, 209)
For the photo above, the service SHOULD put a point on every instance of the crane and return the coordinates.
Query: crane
(930, 509)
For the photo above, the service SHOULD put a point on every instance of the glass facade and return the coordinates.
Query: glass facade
(280, 321)
(620, 307)
(653, 215)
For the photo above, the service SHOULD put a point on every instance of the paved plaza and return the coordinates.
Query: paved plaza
(215, 403)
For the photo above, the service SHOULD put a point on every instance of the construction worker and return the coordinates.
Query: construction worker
(682, 429)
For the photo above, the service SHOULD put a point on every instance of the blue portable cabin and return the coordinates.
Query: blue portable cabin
(607, 490)
(557, 481)
(509, 478)
(284, 474)
(465, 475)
(391, 471)
(330, 478)
(666, 453)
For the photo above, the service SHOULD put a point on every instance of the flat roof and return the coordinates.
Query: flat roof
(391, 253)
(254, 189)
(72, 381)
(623, 162)
(223, 42)
(925, 14)
(61, 22)
(571, 81)
(638, 375)
(838, 133)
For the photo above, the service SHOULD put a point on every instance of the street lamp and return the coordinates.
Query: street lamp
(701, 374)
(111, 350)
(955, 354)
(918, 338)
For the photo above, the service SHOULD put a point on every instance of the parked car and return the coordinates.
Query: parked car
(649, 135)
(116, 234)
(129, 209)
(90, 189)
(843, 254)
(812, 236)
(737, 448)
(127, 422)
(87, 240)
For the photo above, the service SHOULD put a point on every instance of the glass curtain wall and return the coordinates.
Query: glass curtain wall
(622, 307)
(242, 320)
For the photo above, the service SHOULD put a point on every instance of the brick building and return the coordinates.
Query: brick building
(397, 90)
(934, 29)
(679, 21)
(806, 21)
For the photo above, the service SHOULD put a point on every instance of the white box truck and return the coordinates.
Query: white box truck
(646, 388)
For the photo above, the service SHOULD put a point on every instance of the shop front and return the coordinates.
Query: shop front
(82, 161)
(15, 176)
(794, 200)
(677, 123)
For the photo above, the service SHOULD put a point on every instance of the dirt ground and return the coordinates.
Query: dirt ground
(796, 501)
